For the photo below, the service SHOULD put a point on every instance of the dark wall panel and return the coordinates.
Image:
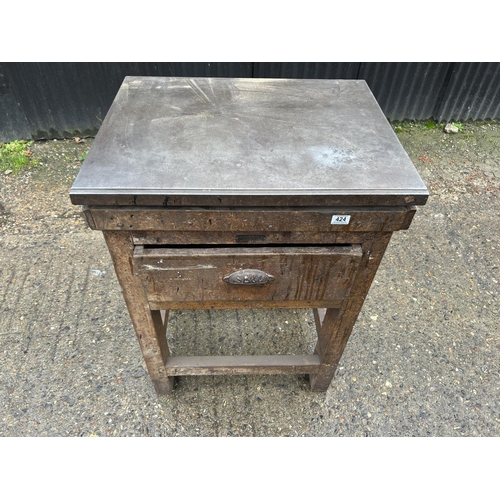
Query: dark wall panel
(13, 122)
(406, 91)
(472, 93)
(344, 71)
(61, 99)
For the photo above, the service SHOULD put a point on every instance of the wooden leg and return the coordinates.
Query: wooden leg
(150, 327)
(335, 325)
(326, 325)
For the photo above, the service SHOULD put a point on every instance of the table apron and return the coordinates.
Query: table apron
(256, 221)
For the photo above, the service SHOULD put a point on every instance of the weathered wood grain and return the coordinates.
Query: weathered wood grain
(247, 304)
(198, 274)
(256, 220)
(337, 325)
(233, 365)
(246, 238)
(180, 269)
(149, 326)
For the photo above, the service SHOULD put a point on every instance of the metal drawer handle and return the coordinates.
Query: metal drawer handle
(248, 277)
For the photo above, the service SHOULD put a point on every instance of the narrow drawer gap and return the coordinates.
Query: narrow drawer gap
(236, 245)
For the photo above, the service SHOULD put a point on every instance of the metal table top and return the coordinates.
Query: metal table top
(169, 141)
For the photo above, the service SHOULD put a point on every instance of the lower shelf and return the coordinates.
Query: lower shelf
(243, 365)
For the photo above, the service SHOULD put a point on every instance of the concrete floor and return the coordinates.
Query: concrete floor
(423, 359)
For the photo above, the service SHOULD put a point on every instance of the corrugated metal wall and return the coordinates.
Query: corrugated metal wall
(406, 91)
(55, 100)
(472, 92)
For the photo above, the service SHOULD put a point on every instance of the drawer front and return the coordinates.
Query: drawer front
(247, 274)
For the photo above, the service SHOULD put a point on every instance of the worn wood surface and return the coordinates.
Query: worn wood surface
(176, 278)
(337, 325)
(246, 238)
(233, 365)
(150, 327)
(197, 274)
(262, 220)
(168, 269)
(247, 304)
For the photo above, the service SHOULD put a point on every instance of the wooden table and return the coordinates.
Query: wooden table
(246, 193)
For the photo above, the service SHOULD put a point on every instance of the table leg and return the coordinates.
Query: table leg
(327, 327)
(150, 327)
(335, 326)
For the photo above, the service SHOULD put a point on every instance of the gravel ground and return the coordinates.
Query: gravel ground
(423, 359)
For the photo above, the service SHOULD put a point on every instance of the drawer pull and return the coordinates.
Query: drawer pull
(248, 277)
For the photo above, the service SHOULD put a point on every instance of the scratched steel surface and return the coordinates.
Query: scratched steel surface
(247, 138)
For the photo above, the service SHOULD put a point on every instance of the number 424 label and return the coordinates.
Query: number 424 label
(341, 219)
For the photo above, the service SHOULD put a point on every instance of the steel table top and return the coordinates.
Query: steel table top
(169, 141)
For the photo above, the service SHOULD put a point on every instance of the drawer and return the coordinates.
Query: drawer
(314, 274)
